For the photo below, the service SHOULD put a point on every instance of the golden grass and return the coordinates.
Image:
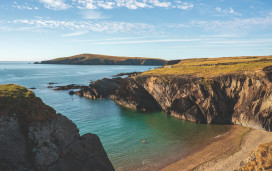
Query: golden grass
(261, 159)
(18, 100)
(15, 91)
(212, 67)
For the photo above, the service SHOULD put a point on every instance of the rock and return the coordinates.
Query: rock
(50, 83)
(132, 95)
(34, 137)
(50, 86)
(129, 74)
(243, 99)
(72, 92)
(69, 87)
(32, 88)
(100, 89)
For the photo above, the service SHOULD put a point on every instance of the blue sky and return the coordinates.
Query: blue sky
(36, 30)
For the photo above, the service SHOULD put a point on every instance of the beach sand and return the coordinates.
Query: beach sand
(224, 152)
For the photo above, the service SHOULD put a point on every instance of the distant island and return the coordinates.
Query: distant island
(95, 59)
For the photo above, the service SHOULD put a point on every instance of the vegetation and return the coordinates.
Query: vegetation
(261, 159)
(86, 57)
(212, 67)
(22, 103)
(15, 92)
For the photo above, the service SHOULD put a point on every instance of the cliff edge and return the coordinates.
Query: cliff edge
(34, 137)
(217, 91)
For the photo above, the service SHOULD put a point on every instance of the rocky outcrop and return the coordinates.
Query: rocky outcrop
(100, 89)
(131, 95)
(242, 98)
(34, 137)
(128, 74)
(67, 87)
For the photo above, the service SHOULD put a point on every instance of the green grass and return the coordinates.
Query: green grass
(212, 67)
(15, 91)
(18, 101)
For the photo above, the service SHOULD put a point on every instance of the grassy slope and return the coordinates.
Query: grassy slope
(15, 92)
(18, 101)
(101, 57)
(211, 67)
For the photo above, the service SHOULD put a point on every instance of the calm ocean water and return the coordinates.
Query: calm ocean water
(120, 130)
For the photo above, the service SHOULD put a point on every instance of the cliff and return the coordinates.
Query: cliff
(239, 94)
(34, 137)
(94, 59)
(215, 91)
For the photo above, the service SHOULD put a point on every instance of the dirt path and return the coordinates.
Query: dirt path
(221, 153)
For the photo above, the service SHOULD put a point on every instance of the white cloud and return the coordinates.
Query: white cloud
(80, 26)
(79, 33)
(110, 4)
(92, 14)
(148, 41)
(184, 6)
(218, 9)
(23, 7)
(157, 3)
(236, 25)
(229, 11)
(55, 4)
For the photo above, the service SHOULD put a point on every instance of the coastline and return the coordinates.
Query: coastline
(225, 152)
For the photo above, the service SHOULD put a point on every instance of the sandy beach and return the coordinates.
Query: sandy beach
(225, 152)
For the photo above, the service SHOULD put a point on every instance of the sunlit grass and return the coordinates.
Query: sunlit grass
(214, 67)
(15, 91)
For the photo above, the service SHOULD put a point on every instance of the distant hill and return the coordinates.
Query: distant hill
(95, 59)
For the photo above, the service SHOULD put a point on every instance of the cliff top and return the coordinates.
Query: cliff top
(18, 101)
(212, 67)
(15, 91)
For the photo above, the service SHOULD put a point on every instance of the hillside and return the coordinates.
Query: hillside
(95, 59)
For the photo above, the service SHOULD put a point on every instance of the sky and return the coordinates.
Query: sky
(35, 30)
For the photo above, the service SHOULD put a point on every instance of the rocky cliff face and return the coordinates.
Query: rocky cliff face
(34, 137)
(242, 98)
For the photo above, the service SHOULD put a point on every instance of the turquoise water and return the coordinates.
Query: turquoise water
(120, 130)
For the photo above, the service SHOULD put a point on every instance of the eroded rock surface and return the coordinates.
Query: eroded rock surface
(242, 98)
(34, 137)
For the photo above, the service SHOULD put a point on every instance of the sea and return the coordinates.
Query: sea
(132, 140)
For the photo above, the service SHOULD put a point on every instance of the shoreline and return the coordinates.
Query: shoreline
(225, 152)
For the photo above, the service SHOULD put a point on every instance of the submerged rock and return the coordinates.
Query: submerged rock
(34, 137)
